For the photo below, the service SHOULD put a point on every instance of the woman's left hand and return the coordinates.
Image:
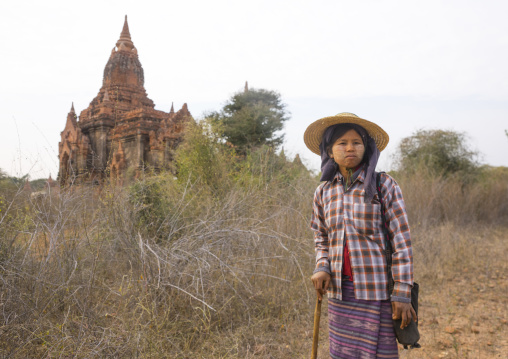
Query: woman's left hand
(405, 312)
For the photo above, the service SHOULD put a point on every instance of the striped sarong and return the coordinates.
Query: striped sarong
(360, 328)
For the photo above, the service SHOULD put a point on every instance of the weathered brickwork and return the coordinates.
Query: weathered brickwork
(120, 131)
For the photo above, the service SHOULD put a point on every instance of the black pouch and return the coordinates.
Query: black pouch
(410, 335)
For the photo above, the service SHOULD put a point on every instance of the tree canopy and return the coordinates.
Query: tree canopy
(442, 151)
(252, 118)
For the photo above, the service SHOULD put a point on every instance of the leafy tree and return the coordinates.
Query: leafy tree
(252, 118)
(39, 184)
(442, 152)
(11, 183)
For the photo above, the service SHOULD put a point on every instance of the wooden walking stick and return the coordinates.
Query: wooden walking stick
(315, 338)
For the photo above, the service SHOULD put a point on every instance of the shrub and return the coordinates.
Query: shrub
(203, 159)
(440, 151)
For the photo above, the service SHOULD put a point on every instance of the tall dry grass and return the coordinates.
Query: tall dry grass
(433, 199)
(451, 218)
(179, 268)
(89, 274)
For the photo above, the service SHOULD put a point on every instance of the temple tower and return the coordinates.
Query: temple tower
(121, 126)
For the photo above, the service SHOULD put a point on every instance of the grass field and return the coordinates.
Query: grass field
(172, 268)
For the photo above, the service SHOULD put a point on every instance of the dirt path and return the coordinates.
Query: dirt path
(467, 316)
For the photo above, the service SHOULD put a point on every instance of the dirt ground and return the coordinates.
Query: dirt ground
(462, 318)
(458, 324)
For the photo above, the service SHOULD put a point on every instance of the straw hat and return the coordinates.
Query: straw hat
(314, 133)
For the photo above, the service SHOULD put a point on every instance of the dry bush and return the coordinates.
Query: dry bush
(451, 219)
(88, 278)
(433, 199)
(179, 268)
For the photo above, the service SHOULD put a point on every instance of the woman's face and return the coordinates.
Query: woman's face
(348, 150)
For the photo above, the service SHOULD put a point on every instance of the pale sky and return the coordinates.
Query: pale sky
(405, 65)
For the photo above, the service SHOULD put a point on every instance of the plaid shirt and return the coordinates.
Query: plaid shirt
(340, 215)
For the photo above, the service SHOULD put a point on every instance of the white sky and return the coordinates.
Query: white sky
(403, 64)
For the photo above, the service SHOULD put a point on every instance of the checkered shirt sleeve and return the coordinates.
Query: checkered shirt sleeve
(400, 237)
(320, 233)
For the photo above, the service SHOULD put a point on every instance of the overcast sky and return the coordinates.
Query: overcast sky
(405, 65)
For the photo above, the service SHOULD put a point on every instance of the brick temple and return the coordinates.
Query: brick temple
(120, 132)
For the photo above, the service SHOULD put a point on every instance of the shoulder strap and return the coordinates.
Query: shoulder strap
(388, 244)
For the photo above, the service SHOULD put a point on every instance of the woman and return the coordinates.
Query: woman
(350, 243)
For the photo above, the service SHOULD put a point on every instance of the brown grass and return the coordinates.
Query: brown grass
(89, 273)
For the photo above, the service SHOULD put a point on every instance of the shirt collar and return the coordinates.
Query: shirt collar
(358, 174)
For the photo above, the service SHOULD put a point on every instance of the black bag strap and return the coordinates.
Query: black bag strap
(388, 243)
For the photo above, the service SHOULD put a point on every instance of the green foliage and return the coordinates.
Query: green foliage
(207, 172)
(207, 163)
(488, 175)
(5, 183)
(202, 159)
(203, 166)
(443, 152)
(252, 118)
(149, 197)
(10, 187)
(38, 184)
(263, 167)
(10, 183)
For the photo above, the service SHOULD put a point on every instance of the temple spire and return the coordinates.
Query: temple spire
(50, 181)
(71, 117)
(125, 35)
(172, 108)
(246, 88)
(298, 161)
(125, 42)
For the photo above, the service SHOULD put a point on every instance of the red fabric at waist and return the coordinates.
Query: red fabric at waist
(346, 263)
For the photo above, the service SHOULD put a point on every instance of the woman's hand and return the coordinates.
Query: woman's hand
(403, 311)
(321, 281)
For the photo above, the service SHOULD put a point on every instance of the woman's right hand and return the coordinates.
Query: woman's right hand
(321, 281)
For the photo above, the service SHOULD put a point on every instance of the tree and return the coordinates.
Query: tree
(252, 118)
(6, 180)
(442, 152)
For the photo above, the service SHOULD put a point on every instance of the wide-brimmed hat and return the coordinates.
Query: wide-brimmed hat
(314, 133)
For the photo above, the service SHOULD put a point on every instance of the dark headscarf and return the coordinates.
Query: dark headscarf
(329, 167)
